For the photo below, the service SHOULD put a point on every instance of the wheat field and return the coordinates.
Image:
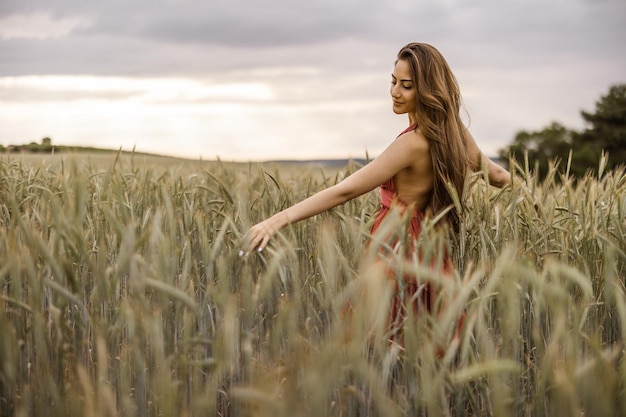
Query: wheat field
(122, 293)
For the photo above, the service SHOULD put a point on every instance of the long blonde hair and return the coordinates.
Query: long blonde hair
(438, 102)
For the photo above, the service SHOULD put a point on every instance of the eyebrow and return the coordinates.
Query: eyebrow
(404, 81)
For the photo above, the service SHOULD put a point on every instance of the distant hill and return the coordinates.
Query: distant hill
(46, 147)
(324, 163)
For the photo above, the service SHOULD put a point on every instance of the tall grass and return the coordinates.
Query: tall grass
(122, 294)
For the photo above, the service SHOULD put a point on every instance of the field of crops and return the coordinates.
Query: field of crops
(122, 293)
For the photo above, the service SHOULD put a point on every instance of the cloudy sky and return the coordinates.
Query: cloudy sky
(267, 79)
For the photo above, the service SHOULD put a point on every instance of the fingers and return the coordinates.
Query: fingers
(248, 246)
(256, 238)
(263, 244)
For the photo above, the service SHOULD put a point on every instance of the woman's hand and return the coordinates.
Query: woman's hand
(257, 237)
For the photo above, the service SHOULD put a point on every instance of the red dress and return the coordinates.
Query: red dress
(398, 308)
(410, 283)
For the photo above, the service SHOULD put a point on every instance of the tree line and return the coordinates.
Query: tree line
(44, 147)
(558, 145)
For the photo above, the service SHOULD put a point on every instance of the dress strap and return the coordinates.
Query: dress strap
(408, 129)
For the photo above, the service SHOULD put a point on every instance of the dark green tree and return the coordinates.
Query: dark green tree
(552, 144)
(606, 131)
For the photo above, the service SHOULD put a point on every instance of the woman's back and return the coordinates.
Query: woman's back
(414, 184)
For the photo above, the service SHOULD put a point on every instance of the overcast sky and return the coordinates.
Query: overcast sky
(258, 79)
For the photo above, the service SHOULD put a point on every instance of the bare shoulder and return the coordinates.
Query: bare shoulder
(414, 141)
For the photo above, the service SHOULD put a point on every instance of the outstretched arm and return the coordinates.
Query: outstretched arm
(498, 176)
(395, 158)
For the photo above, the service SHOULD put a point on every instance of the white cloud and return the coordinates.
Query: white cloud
(39, 25)
(148, 89)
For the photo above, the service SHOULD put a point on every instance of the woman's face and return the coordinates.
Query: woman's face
(402, 88)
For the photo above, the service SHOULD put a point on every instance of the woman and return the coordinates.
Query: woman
(435, 150)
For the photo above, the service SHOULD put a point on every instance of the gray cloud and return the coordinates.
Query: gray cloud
(518, 61)
(142, 36)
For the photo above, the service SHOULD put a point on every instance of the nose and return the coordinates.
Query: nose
(395, 90)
